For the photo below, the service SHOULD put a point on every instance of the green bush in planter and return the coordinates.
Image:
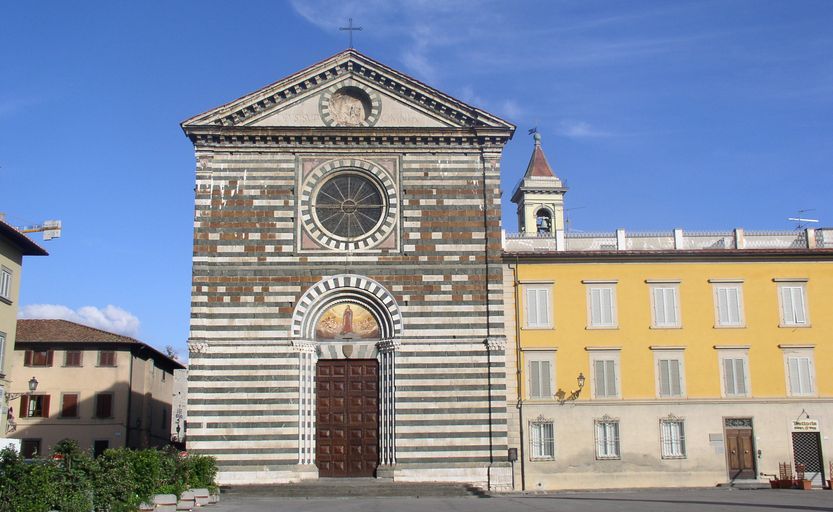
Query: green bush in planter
(73, 479)
(26, 487)
(115, 481)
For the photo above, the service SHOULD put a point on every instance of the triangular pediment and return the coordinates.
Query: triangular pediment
(348, 90)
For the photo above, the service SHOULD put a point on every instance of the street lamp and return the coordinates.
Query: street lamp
(574, 395)
(11, 426)
(33, 386)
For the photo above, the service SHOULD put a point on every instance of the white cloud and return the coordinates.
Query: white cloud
(110, 318)
(581, 130)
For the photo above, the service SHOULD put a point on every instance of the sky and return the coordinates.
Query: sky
(701, 115)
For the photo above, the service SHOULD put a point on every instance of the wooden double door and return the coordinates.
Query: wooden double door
(347, 417)
(740, 452)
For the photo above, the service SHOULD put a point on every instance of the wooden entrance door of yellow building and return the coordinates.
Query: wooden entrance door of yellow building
(740, 449)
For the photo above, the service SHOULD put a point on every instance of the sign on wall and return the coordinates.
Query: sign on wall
(805, 425)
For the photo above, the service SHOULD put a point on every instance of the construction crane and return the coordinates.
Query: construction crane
(50, 228)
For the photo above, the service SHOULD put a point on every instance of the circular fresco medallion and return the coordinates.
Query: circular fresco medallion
(350, 104)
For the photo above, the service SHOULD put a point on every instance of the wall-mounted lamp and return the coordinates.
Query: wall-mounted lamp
(33, 386)
(574, 395)
(11, 426)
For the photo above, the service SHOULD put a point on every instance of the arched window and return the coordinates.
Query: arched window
(543, 221)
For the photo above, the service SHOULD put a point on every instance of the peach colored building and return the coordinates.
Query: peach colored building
(102, 389)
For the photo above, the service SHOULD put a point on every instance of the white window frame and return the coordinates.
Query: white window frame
(541, 442)
(607, 448)
(605, 354)
(2, 354)
(601, 287)
(532, 357)
(672, 445)
(671, 288)
(669, 354)
(737, 285)
(734, 354)
(6, 276)
(540, 289)
(794, 354)
(793, 320)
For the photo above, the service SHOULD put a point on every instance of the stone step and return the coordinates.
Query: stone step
(356, 487)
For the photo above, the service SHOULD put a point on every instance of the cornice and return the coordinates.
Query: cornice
(671, 256)
(237, 136)
(348, 63)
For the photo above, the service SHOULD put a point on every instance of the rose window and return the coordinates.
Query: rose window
(349, 206)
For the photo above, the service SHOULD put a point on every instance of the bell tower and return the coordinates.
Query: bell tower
(540, 196)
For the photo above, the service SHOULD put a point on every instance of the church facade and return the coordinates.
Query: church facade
(347, 313)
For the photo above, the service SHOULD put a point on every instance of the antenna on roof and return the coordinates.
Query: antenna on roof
(567, 219)
(801, 221)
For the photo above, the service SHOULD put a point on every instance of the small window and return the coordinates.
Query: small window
(604, 364)
(107, 358)
(34, 406)
(672, 437)
(665, 305)
(540, 375)
(30, 448)
(69, 405)
(735, 375)
(72, 358)
(163, 375)
(542, 440)
(164, 424)
(670, 373)
(728, 305)
(607, 439)
(37, 358)
(104, 405)
(538, 306)
(601, 306)
(100, 446)
(793, 304)
(800, 372)
(5, 283)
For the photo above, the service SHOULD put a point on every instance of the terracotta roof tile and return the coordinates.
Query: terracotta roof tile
(538, 165)
(64, 331)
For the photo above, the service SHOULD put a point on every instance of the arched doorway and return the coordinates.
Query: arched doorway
(347, 329)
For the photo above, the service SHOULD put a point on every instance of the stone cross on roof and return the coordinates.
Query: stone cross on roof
(350, 29)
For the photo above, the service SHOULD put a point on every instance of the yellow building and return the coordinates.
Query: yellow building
(14, 245)
(666, 359)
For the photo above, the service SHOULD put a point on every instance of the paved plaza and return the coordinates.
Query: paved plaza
(659, 500)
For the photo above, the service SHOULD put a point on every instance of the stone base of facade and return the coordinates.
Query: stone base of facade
(496, 477)
(266, 476)
(640, 463)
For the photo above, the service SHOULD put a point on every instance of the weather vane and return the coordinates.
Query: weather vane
(350, 29)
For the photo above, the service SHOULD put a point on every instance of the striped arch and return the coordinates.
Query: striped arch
(350, 288)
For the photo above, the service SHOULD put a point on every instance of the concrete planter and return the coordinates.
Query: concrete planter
(201, 497)
(165, 503)
(186, 501)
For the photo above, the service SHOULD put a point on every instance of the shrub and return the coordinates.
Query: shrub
(117, 481)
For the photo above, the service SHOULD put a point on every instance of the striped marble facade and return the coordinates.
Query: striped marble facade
(436, 291)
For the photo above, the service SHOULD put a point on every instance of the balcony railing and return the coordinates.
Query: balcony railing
(620, 240)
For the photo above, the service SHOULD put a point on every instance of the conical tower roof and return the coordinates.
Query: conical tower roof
(538, 177)
(538, 165)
